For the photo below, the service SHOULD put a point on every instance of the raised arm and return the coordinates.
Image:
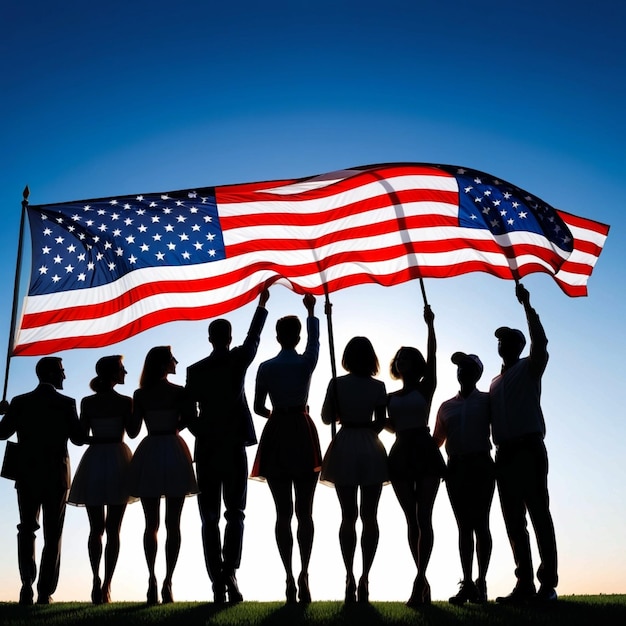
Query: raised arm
(253, 338)
(311, 352)
(430, 378)
(538, 339)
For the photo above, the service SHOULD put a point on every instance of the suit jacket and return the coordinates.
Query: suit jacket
(216, 384)
(44, 420)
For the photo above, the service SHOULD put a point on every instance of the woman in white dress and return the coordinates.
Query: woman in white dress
(161, 465)
(416, 466)
(356, 459)
(101, 480)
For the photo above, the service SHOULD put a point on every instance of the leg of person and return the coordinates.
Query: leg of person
(538, 503)
(235, 494)
(173, 511)
(29, 508)
(347, 495)
(457, 486)
(510, 470)
(281, 489)
(426, 491)
(151, 511)
(209, 504)
(115, 514)
(370, 497)
(53, 511)
(485, 487)
(94, 547)
(405, 491)
(304, 489)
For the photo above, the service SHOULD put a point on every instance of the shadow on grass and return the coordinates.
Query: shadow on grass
(571, 611)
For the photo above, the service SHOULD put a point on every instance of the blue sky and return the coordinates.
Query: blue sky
(120, 98)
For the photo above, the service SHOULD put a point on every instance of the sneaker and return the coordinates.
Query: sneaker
(546, 594)
(467, 593)
(481, 591)
(521, 594)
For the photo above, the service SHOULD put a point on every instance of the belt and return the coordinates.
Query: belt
(469, 456)
(99, 440)
(357, 424)
(522, 440)
(285, 410)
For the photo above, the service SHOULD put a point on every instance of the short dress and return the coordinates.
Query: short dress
(414, 454)
(103, 472)
(355, 456)
(289, 446)
(162, 464)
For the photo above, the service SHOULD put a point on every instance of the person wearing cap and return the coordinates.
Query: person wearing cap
(463, 423)
(518, 430)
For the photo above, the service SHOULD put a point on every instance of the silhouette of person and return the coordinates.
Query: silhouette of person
(356, 458)
(223, 429)
(44, 420)
(518, 430)
(101, 480)
(161, 465)
(463, 423)
(415, 463)
(289, 455)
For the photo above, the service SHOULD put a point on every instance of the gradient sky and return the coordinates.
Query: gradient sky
(126, 97)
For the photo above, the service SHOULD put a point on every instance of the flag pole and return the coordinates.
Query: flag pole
(16, 288)
(423, 291)
(328, 310)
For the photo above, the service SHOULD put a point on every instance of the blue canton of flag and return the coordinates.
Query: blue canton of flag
(502, 208)
(78, 245)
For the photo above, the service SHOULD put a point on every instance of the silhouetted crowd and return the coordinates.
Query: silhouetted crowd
(214, 408)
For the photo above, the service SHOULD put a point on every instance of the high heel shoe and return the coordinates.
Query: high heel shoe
(291, 591)
(152, 596)
(304, 594)
(420, 596)
(106, 594)
(362, 592)
(350, 590)
(166, 592)
(234, 595)
(96, 591)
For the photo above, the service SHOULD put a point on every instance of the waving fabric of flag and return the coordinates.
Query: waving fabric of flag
(106, 269)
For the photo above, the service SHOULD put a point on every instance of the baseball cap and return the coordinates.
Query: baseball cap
(461, 357)
(511, 334)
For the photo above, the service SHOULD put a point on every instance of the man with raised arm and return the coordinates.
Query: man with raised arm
(223, 430)
(518, 430)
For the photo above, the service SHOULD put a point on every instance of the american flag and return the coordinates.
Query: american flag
(106, 269)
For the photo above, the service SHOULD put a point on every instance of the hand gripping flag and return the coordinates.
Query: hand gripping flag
(106, 269)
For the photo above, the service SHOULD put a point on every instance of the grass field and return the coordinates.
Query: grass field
(602, 610)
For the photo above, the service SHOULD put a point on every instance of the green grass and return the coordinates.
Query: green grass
(602, 610)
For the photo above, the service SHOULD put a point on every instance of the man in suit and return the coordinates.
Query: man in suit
(44, 420)
(223, 429)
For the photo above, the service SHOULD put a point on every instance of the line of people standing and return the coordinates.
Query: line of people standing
(214, 407)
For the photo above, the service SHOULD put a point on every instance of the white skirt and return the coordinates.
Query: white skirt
(161, 466)
(102, 477)
(356, 456)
